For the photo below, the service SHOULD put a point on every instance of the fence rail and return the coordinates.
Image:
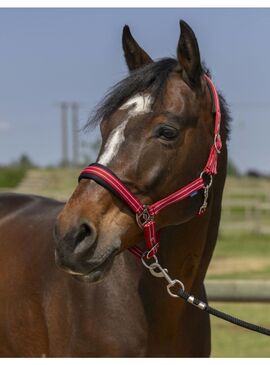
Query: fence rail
(246, 206)
(238, 290)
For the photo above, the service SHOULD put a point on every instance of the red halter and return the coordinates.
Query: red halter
(145, 215)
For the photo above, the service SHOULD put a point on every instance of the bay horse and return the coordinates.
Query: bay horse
(68, 285)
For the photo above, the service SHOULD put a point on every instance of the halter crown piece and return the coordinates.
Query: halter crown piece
(145, 215)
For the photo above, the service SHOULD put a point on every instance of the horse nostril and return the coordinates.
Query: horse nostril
(85, 238)
(84, 231)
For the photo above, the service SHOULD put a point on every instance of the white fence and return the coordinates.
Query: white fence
(238, 290)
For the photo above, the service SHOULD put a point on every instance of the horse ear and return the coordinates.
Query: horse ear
(188, 54)
(135, 56)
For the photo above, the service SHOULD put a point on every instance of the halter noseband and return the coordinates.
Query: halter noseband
(145, 215)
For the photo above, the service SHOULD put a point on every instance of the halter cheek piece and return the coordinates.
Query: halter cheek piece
(145, 215)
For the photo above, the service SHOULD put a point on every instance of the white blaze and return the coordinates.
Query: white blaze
(113, 143)
(141, 104)
(138, 104)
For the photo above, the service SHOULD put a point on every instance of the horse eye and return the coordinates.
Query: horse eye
(167, 132)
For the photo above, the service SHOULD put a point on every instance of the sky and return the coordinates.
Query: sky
(53, 55)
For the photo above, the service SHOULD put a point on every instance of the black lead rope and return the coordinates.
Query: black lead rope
(158, 271)
(226, 317)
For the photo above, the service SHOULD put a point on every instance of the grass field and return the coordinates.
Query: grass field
(242, 251)
(232, 341)
(11, 176)
(241, 256)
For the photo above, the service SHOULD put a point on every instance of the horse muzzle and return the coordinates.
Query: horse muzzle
(77, 253)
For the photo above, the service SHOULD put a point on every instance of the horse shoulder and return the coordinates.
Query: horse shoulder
(26, 266)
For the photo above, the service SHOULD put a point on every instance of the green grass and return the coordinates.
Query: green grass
(249, 252)
(232, 341)
(239, 214)
(10, 177)
(243, 244)
(57, 183)
(258, 195)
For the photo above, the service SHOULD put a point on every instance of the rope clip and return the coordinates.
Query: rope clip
(159, 272)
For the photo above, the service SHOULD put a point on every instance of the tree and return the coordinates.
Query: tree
(232, 170)
(25, 161)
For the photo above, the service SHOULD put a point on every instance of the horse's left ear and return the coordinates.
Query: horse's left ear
(188, 54)
(135, 56)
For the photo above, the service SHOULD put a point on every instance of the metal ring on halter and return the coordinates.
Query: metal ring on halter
(210, 177)
(217, 137)
(143, 217)
(143, 259)
(151, 250)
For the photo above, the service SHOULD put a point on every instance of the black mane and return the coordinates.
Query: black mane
(152, 78)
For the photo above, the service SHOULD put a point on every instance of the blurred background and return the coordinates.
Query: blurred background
(56, 64)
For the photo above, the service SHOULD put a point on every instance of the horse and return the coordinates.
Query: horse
(69, 286)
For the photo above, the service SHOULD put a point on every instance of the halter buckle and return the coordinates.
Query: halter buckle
(143, 217)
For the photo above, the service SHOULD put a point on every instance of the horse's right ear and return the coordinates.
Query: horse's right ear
(135, 56)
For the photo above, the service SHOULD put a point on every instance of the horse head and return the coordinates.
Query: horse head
(157, 130)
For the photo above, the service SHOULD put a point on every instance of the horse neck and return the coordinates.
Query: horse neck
(182, 248)
(186, 249)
